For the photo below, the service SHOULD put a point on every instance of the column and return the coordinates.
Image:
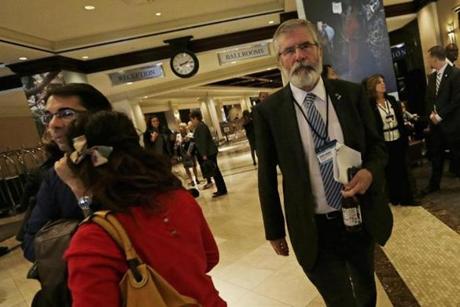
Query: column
(171, 119)
(430, 34)
(214, 118)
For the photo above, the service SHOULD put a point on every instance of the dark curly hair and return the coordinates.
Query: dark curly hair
(132, 176)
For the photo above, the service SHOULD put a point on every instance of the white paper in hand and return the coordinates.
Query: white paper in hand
(344, 158)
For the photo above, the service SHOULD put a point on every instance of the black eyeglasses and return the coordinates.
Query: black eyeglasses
(306, 46)
(64, 113)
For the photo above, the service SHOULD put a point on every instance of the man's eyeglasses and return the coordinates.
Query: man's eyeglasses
(306, 46)
(64, 113)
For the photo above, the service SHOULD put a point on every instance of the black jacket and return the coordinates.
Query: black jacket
(55, 200)
(447, 101)
(203, 140)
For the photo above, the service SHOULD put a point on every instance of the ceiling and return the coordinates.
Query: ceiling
(45, 28)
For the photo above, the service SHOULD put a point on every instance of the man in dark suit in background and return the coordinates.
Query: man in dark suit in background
(443, 107)
(207, 150)
(288, 138)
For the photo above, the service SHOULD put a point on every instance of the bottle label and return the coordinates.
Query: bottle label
(352, 216)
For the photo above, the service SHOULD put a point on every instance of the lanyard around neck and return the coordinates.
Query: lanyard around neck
(323, 138)
(386, 109)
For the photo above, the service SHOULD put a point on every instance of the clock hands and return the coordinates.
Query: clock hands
(185, 63)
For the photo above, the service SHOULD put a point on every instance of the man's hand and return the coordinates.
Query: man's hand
(68, 177)
(205, 158)
(358, 184)
(280, 246)
(153, 136)
(433, 118)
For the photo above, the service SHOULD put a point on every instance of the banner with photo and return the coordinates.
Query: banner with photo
(35, 88)
(354, 38)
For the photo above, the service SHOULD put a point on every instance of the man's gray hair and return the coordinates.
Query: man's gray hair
(290, 25)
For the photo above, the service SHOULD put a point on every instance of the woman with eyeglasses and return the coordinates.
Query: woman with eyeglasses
(390, 122)
(111, 171)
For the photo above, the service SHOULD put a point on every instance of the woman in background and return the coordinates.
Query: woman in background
(390, 123)
(188, 153)
(163, 221)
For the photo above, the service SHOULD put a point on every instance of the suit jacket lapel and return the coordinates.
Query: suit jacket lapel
(445, 76)
(340, 107)
(288, 122)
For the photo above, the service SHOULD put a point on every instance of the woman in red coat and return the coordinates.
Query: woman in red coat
(163, 221)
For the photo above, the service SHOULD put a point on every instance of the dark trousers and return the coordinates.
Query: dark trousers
(438, 143)
(344, 269)
(218, 178)
(252, 145)
(200, 162)
(397, 173)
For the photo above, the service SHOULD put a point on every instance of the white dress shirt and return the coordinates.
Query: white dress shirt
(334, 132)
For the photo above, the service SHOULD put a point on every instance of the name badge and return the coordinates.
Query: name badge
(325, 153)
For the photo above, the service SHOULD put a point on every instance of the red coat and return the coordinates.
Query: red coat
(177, 243)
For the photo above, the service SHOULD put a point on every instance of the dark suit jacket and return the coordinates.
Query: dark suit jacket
(399, 118)
(447, 101)
(203, 140)
(279, 143)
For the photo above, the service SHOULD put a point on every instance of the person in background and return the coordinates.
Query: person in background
(451, 53)
(54, 199)
(329, 73)
(164, 222)
(390, 123)
(443, 107)
(262, 96)
(187, 151)
(156, 138)
(248, 124)
(207, 150)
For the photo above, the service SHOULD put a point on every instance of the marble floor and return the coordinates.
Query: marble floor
(422, 249)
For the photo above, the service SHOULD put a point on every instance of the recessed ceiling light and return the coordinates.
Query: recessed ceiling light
(89, 7)
(85, 57)
(23, 58)
(158, 13)
(145, 97)
(271, 22)
(129, 83)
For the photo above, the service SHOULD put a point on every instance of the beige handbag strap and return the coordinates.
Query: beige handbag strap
(110, 223)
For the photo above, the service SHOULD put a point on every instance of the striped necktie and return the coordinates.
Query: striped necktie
(438, 81)
(331, 187)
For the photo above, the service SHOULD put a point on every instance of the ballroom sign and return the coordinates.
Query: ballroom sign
(242, 53)
(137, 74)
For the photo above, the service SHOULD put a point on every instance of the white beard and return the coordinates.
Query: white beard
(304, 75)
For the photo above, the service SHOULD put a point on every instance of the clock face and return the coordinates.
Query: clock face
(184, 64)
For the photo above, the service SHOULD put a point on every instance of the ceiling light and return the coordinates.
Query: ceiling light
(23, 58)
(271, 22)
(129, 83)
(89, 7)
(158, 13)
(145, 97)
(85, 57)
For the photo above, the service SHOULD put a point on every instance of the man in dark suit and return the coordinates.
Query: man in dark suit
(329, 255)
(443, 107)
(207, 150)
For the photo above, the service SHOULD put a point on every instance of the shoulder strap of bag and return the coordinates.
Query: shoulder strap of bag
(109, 223)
